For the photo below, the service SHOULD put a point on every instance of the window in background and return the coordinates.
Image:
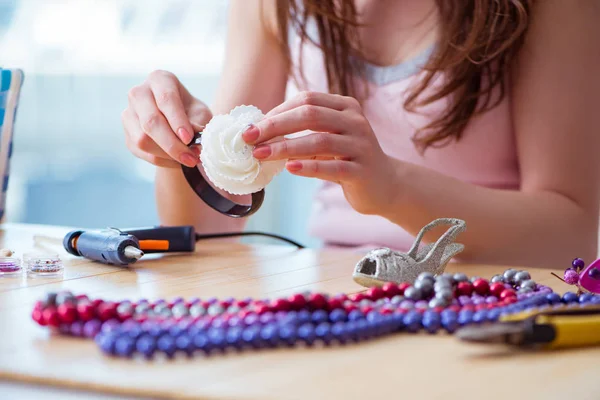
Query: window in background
(80, 57)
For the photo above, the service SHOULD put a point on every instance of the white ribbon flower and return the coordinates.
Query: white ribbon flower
(228, 160)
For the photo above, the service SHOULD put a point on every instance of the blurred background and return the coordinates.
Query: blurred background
(70, 165)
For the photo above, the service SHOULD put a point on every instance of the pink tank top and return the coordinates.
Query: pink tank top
(485, 155)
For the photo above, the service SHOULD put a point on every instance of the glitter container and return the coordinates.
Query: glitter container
(43, 265)
(10, 266)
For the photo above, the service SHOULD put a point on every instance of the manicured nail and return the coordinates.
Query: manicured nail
(293, 166)
(251, 134)
(189, 159)
(184, 135)
(262, 151)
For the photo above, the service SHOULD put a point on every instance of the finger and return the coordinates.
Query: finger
(314, 118)
(165, 88)
(199, 116)
(154, 124)
(333, 101)
(313, 145)
(330, 170)
(151, 158)
(137, 139)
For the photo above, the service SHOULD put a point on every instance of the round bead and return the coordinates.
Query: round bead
(297, 301)
(481, 286)
(496, 288)
(106, 342)
(412, 293)
(197, 310)
(107, 310)
(280, 305)
(335, 303)
(412, 321)
(553, 298)
(323, 332)
(215, 309)
(571, 276)
(146, 345)
(76, 328)
(521, 276)
(67, 312)
(438, 302)
(50, 317)
(270, 335)
(390, 289)
(397, 299)
(570, 297)
(506, 293)
(124, 346)
(594, 273)
(497, 279)
(446, 294)
(407, 304)
(432, 325)
(375, 293)
(523, 290)
(185, 344)
(474, 278)
(288, 334)
(338, 316)
(217, 338)
(464, 288)
(509, 275)
(426, 276)
(460, 277)
(180, 310)
(306, 333)
(319, 316)
(529, 283)
(317, 301)
(425, 286)
(578, 264)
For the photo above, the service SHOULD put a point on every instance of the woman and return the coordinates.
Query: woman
(481, 110)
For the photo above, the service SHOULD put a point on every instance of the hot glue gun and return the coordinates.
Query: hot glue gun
(125, 247)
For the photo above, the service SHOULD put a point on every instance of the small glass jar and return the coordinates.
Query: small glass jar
(10, 267)
(43, 265)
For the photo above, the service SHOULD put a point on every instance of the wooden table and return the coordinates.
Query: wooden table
(412, 366)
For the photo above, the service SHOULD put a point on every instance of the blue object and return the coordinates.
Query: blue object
(306, 333)
(146, 345)
(185, 344)
(166, 344)
(319, 316)
(412, 321)
(201, 342)
(339, 332)
(570, 297)
(287, 334)
(270, 334)
(323, 332)
(355, 315)
(338, 315)
(124, 346)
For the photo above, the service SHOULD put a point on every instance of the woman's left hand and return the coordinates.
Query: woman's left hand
(343, 148)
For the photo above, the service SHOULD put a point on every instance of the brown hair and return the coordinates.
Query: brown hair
(480, 41)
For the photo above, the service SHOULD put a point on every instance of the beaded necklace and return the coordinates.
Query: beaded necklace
(197, 326)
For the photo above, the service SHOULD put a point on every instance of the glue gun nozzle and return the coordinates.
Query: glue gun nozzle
(133, 252)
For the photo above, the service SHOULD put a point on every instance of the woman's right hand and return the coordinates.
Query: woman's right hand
(160, 120)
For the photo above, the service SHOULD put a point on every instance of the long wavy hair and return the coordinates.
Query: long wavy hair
(479, 42)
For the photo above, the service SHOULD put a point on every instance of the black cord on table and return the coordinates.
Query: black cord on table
(249, 233)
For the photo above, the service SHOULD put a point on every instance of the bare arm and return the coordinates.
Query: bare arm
(555, 102)
(255, 74)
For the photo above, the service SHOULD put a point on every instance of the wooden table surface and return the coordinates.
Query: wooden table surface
(403, 365)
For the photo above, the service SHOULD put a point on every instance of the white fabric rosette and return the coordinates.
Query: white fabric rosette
(228, 160)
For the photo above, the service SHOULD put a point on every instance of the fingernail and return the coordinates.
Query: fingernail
(294, 166)
(189, 159)
(184, 135)
(251, 134)
(262, 151)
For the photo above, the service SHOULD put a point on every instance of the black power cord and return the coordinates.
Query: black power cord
(249, 233)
